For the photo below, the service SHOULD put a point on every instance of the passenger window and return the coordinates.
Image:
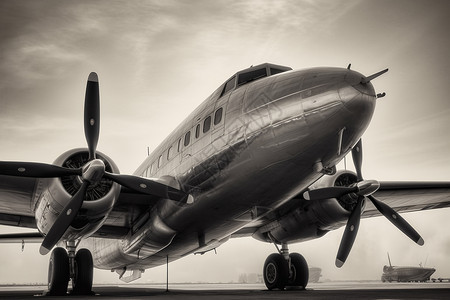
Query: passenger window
(179, 145)
(218, 116)
(187, 138)
(160, 161)
(197, 131)
(207, 124)
(152, 169)
(169, 153)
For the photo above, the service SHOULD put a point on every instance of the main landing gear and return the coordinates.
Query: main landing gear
(65, 265)
(283, 270)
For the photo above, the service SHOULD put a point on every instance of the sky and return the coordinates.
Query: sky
(158, 60)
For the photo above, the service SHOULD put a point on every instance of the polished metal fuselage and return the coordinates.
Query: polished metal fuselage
(278, 135)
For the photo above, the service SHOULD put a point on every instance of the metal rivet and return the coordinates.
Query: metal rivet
(394, 216)
(143, 185)
(69, 212)
(92, 122)
(21, 170)
(352, 228)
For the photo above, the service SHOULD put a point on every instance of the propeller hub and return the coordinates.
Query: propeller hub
(367, 187)
(93, 171)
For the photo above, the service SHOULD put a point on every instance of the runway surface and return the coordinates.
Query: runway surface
(333, 290)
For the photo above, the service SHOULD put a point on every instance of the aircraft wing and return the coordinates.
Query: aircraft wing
(410, 196)
(17, 209)
(402, 196)
(16, 201)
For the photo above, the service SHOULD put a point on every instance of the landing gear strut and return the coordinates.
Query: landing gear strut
(65, 265)
(283, 270)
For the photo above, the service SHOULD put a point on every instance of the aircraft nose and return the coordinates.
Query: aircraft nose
(358, 96)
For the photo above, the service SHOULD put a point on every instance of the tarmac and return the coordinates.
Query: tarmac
(331, 290)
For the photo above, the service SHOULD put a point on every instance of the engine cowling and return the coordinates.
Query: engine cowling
(313, 219)
(55, 193)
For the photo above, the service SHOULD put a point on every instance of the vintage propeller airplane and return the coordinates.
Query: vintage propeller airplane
(256, 158)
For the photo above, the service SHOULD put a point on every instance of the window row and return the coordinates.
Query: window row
(186, 140)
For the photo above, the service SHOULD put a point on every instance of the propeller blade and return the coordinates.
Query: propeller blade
(31, 169)
(329, 192)
(397, 220)
(63, 221)
(357, 159)
(150, 187)
(348, 238)
(92, 114)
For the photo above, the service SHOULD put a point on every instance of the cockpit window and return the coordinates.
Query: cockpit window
(251, 75)
(228, 86)
(274, 71)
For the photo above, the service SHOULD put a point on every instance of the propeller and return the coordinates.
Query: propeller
(363, 189)
(30, 169)
(92, 114)
(91, 173)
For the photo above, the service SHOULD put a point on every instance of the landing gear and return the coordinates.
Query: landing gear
(283, 270)
(84, 273)
(64, 266)
(58, 272)
(276, 272)
(299, 273)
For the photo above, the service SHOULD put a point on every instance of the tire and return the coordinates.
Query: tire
(84, 273)
(275, 272)
(58, 272)
(299, 271)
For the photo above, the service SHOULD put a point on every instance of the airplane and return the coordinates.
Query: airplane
(406, 274)
(257, 158)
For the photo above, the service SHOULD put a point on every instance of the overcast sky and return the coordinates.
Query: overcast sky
(158, 60)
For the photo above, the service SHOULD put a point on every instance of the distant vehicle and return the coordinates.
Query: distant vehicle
(406, 274)
(315, 274)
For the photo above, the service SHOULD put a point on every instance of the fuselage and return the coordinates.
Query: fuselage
(247, 149)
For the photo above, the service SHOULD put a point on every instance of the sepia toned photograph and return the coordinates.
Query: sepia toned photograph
(293, 149)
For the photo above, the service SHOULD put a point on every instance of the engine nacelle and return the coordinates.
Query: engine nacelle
(314, 218)
(55, 193)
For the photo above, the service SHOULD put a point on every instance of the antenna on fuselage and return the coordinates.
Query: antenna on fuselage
(373, 76)
(348, 67)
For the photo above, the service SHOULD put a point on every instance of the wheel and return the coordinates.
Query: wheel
(84, 273)
(275, 272)
(58, 272)
(299, 273)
